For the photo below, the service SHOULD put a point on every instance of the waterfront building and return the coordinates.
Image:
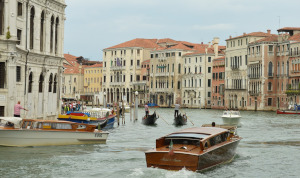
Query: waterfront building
(236, 62)
(218, 84)
(93, 84)
(196, 78)
(122, 68)
(142, 85)
(72, 79)
(292, 63)
(31, 56)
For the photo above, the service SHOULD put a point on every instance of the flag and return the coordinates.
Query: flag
(118, 62)
(171, 151)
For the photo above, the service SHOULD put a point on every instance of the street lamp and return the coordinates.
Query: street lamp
(136, 105)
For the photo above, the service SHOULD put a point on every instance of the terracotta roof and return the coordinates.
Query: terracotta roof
(288, 29)
(201, 51)
(95, 65)
(146, 61)
(258, 34)
(73, 68)
(166, 40)
(295, 37)
(220, 58)
(273, 38)
(138, 42)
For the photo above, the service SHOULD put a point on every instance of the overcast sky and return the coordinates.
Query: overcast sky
(92, 25)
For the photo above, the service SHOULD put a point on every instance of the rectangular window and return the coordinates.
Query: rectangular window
(2, 74)
(131, 62)
(246, 62)
(131, 78)
(269, 101)
(138, 62)
(179, 54)
(208, 94)
(209, 59)
(270, 50)
(209, 69)
(178, 86)
(111, 78)
(209, 83)
(104, 78)
(20, 9)
(19, 35)
(104, 64)
(151, 55)
(18, 72)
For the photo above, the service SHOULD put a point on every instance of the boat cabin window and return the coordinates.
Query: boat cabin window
(50, 125)
(218, 139)
(25, 124)
(185, 138)
(182, 142)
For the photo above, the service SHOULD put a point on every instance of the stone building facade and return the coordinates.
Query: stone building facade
(218, 84)
(31, 56)
(122, 68)
(236, 62)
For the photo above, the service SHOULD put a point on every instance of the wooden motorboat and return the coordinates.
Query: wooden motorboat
(180, 120)
(101, 117)
(32, 132)
(150, 119)
(195, 149)
(287, 112)
(231, 117)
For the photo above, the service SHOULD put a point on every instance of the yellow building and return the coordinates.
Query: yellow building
(92, 80)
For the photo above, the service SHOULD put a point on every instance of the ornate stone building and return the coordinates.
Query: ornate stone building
(236, 62)
(122, 69)
(31, 56)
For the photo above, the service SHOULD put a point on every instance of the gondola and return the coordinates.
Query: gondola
(150, 120)
(179, 120)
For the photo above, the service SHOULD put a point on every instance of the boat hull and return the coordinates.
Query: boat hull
(231, 120)
(287, 112)
(108, 125)
(194, 162)
(23, 137)
(150, 120)
(179, 121)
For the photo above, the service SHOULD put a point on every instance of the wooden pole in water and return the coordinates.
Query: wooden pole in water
(118, 114)
(189, 119)
(123, 108)
(130, 105)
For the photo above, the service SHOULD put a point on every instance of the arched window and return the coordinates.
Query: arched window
(42, 31)
(270, 69)
(55, 83)
(56, 34)
(41, 82)
(51, 34)
(30, 83)
(31, 31)
(1, 17)
(50, 82)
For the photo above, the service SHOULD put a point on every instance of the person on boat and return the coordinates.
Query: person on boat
(146, 110)
(177, 106)
(213, 124)
(17, 109)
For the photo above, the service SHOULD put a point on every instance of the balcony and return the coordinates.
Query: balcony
(117, 68)
(163, 74)
(254, 93)
(236, 88)
(235, 67)
(254, 76)
(139, 82)
(117, 83)
(292, 92)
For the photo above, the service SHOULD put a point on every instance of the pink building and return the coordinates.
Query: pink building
(218, 83)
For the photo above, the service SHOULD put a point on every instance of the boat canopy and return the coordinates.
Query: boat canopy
(15, 120)
(187, 135)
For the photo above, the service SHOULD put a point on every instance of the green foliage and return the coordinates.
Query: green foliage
(8, 36)
(293, 92)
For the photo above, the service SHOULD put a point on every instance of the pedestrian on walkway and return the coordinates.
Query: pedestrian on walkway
(17, 109)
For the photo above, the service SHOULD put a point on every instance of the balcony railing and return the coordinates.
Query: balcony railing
(117, 83)
(254, 76)
(293, 92)
(163, 74)
(254, 93)
(117, 68)
(139, 82)
(236, 88)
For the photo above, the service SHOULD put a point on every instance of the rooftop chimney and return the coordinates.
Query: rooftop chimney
(230, 37)
(244, 34)
(269, 31)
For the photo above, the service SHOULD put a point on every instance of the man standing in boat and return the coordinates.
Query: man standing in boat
(146, 110)
(177, 106)
(17, 109)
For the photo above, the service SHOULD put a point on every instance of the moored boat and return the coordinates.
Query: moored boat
(31, 132)
(180, 120)
(195, 149)
(288, 111)
(150, 119)
(231, 117)
(102, 117)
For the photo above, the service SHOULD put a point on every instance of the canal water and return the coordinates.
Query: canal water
(270, 148)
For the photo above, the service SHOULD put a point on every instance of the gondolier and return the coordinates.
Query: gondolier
(177, 106)
(17, 109)
(146, 110)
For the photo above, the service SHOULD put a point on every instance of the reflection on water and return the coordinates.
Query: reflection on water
(269, 145)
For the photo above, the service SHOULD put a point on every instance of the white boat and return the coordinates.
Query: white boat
(231, 118)
(30, 132)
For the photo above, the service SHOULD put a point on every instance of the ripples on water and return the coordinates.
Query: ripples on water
(269, 148)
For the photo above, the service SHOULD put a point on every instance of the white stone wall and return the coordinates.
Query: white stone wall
(41, 105)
